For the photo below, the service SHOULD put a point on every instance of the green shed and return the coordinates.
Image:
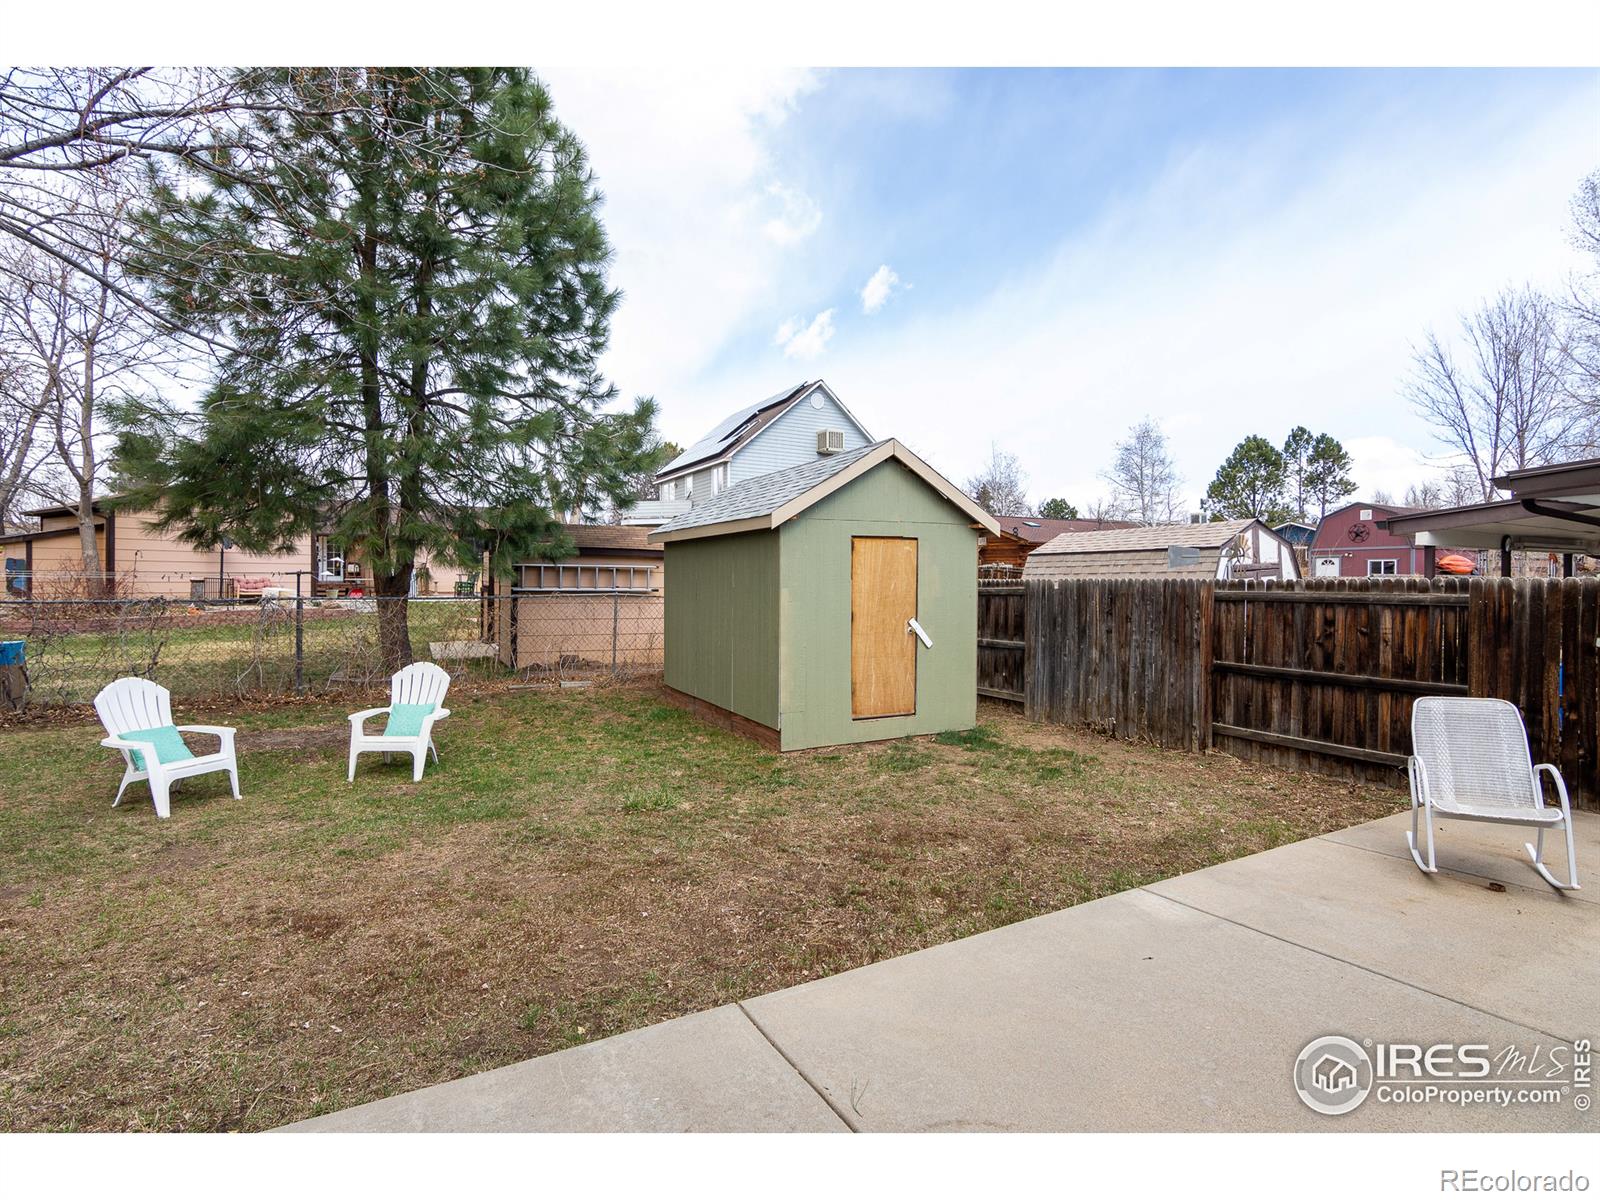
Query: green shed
(828, 603)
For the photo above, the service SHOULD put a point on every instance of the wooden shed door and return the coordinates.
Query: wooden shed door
(883, 651)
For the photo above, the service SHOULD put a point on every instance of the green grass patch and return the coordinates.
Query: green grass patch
(979, 737)
(579, 863)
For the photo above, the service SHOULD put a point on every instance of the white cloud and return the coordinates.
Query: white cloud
(686, 214)
(875, 294)
(797, 218)
(1380, 463)
(800, 340)
(1228, 299)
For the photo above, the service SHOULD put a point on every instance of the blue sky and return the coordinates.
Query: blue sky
(1059, 253)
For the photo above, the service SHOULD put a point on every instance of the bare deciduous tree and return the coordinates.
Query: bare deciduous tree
(1581, 308)
(63, 127)
(1460, 487)
(1144, 480)
(1427, 494)
(1002, 486)
(1105, 508)
(81, 346)
(1500, 400)
(24, 405)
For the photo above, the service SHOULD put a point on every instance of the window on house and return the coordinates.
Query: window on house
(1383, 566)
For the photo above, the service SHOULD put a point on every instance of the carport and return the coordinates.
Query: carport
(1552, 510)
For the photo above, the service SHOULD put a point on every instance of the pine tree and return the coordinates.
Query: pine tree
(1296, 461)
(1328, 478)
(1058, 509)
(410, 273)
(1250, 483)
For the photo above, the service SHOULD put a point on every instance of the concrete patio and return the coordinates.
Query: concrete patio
(1178, 1006)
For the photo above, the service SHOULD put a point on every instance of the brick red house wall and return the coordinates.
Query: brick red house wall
(1353, 535)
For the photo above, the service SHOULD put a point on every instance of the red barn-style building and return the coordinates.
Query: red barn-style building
(1353, 543)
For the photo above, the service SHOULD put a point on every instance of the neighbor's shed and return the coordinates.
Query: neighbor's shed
(1199, 550)
(828, 603)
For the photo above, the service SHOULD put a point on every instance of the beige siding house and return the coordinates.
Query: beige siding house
(142, 562)
(1206, 550)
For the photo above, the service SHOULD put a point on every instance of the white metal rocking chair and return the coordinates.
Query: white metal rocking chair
(1471, 763)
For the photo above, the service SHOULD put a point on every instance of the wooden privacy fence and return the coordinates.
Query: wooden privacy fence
(1318, 674)
(1124, 656)
(1000, 645)
(1323, 674)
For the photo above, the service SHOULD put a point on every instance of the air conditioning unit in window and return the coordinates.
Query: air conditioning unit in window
(830, 441)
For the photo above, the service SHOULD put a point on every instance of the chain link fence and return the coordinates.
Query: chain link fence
(62, 652)
(566, 633)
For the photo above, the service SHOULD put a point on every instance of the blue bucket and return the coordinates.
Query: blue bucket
(11, 654)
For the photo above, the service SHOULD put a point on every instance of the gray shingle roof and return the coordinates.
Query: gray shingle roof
(766, 493)
(726, 433)
(1205, 535)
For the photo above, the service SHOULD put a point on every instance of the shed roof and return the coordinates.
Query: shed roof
(1204, 535)
(1039, 530)
(767, 501)
(610, 537)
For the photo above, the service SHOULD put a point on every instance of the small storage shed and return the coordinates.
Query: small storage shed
(828, 603)
(1200, 550)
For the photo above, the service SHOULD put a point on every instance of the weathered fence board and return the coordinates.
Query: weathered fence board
(1311, 675)
(1321, 674)
(1001, 614)
(1129, 657)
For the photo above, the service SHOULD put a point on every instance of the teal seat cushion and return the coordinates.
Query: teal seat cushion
(168, 742)
(405, 720)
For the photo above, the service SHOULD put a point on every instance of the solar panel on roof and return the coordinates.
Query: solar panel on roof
(718, 439)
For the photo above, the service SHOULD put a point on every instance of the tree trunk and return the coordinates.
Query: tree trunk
(94, 581)
(394, 625)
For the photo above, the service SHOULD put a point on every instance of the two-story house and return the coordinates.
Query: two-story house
(796, 426)
(570, 612)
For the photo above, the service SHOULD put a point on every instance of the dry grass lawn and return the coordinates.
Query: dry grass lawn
(582, 863)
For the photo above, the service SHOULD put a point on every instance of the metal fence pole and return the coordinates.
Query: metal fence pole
(299, 642)
(615, 602)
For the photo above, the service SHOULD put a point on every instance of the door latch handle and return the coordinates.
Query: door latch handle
(913, 627)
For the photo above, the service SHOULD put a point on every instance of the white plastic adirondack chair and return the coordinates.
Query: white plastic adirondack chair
(133, 711)
(1471, 763)
(422, 683)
